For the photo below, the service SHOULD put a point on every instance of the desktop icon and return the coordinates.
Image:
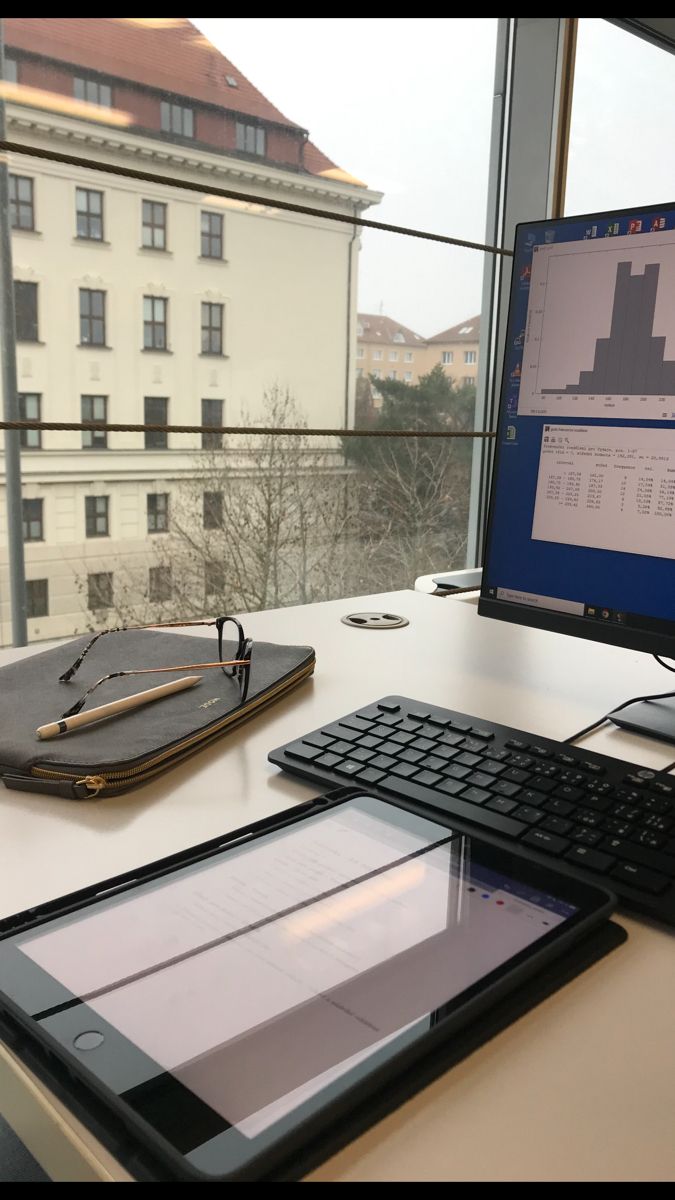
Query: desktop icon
(549, 236)
(520, 339)
(657, 224)
(613, 229)
(515, 374)
(510, 433)
(635, 226)
(590, 232)
(526, 273)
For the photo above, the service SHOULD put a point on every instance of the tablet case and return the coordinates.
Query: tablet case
(139, 1160)
(118, 754)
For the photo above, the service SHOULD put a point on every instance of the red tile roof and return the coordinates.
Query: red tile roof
(167, 53)
(466, 331)
(377, 328)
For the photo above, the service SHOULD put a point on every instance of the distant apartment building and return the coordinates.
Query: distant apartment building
(387, 350)
(456, 349)
(139, 303)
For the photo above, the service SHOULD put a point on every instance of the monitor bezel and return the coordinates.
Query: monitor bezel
(627, 637)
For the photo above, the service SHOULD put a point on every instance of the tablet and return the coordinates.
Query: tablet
(225, 1008)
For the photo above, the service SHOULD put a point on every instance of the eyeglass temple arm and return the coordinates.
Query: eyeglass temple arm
(79, 704)
(72, 670)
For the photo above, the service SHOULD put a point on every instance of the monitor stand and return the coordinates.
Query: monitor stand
(655, 718)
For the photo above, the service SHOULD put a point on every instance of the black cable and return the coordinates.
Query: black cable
(661, 663)
(635, 700)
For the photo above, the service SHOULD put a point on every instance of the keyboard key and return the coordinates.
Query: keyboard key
(300, 750)
(573, 778)
(503, 788)
(418, 714)
(450, 739)
(479, 779)
(639, 781)
(542, 785)
(405, 770)
(547, 770)
(594, 768)
(496, 755)
(640, 855)
(443, 722)
(356, 723)
(587, 816)
(347, 767)
(462, 726)
(561, 808)
(389, 706)
(370, 742)
(486, 734)
(587, 837)
(428, 778)
(565, 760)
(647, 837)
(657, 804)
(556, 825)
(475, 814)
(531, 816)
(666, 789)
(493, 768)
(434, 763)
(640, 877)
(469, 760)
(411, 756)
(341, 731)
(318, 739)
(361, 754)
(541, 751)
(524, 761)
(565, 792)
(422, 743)
(327, 760)
(515, 775)
(593, 860)
(475, 795)
(516, 744)
(452, 787)
(389, 719)
(617, 828)
(446, 752)
(599, 803)
(529, 796)
(403, 738)
(502, 804)
(383, 762)
(368, 775)
(658, 824)
(544, 840)
(472, 744)
(458, 772)
(372, 713)
(342, 747)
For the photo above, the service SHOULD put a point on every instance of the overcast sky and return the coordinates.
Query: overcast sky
(405, 105)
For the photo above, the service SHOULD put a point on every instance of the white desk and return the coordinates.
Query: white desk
(583, 1087)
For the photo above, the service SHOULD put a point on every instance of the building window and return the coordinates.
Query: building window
(95, 408)
(155, 413)
(377, 374)
(212, 235)
(447, 357)
(212, 414)
(407, 357)
(469, 356)
(359, 352)
(100, 590)
(214, 579)
(158, 512)
(92, 91)
(11, 72)
(159, 584)
(391, 375)
(407, 375)
(377, 355)
(26, 311)
(398, 337)
(21, 202)
(92, 317)
(468, 381)
(89, 214)
(250, 138)
(29, 410)
(154, 225)
(37, 598)
(393, 356)
(176, 118)
(212, 328)
(96, 516)
(33, 528)
(359, 372)
(213, 510)
(155, 317)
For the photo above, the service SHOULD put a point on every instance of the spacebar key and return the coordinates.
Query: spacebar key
(471, 813)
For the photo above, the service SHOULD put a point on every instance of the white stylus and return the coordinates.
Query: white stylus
(54, 728)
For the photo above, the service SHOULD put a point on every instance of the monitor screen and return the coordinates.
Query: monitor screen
(581, 531)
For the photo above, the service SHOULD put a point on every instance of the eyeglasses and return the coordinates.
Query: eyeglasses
(237, 669)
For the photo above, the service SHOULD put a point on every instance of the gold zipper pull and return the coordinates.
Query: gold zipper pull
(94, 782)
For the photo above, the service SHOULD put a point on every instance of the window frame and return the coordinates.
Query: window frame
(31, 584)
(151, 324)
(154, 440)
(157, 515)
(91, 84)
(447, 358)
(98, 438)
(37, 518)
(26, 434)
(470, 358)
(100, 602)
(150, 227)
(210, 236)
(91, 322)
(17, 204)
(155, 573)
(172, 110)
(212, 441)
(212, 333)
(88, 216)
(212, 510)
(251, 138)
(97, 516)
(21, 287)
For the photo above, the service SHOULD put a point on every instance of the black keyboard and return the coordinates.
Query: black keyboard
(611, 821)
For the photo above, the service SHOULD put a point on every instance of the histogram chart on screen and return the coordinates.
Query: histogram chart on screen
(600, 334)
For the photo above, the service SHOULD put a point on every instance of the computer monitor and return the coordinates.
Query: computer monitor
(581, 528)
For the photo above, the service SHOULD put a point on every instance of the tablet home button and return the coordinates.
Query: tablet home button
(90, 1040)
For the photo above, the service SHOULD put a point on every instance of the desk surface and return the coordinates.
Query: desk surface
(583, 1087)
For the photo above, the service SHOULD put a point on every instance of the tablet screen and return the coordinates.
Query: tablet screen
(260, 977)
